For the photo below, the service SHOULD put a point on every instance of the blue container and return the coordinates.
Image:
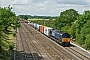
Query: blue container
(53, 33)
(56, 34)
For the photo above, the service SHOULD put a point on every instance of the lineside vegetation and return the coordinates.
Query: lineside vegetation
(8, 21)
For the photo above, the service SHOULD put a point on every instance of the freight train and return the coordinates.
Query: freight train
(59, 36)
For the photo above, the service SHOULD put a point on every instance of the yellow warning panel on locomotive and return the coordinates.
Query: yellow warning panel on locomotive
(65, 39)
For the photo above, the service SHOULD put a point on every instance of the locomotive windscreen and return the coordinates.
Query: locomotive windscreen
(66, 35)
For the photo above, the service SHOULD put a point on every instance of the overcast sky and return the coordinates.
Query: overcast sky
(45, 7)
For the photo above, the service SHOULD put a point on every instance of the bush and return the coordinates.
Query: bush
(80, 39)
(11, 46)
(14, 34)
(87, 42)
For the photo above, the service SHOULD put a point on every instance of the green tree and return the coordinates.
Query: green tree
(80, 38)
(87, 14)
(82, 27)
(72, 30)
(25, 17)
(81, 20)
(66, 28)
(69, 16)
(64, 21)
(86, 32)
(7, 17)
(87, 42)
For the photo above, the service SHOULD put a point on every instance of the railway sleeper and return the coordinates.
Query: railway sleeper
(33, 56)
(22, 55)
(30, 59)
(29, 55)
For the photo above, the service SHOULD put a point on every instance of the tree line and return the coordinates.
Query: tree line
(35, 17)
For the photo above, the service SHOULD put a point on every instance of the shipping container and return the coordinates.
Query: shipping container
(47, 31)
(29, 22)
(32, 24)
(35, 25)
(38, 27)
(42, 29)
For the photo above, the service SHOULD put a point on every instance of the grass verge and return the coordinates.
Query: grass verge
(7, 45)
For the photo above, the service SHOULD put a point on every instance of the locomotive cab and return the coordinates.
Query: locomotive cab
(65, 39)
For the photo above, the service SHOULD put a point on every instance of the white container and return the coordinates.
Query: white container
(31, 24)
(38, 27)
(47, 31)
(35, 25)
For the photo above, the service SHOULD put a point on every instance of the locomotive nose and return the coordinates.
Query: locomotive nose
(65, 39)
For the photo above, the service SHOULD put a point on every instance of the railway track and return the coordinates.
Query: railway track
(27, 52)
(33, 45)
(55, 54)
(23, 51)
(19, 48)
(77, 53)
(37, 48)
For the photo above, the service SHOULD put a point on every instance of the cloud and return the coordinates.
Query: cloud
(20, 2)
(37, 1)
(46, 7)
(75, 2)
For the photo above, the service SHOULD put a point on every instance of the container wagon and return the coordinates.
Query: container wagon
(42, 29)
(47, 31)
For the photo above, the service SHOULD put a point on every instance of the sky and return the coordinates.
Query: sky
(45, 7)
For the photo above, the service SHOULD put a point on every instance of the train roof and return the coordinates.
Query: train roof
(59, 32)
(48, 27)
